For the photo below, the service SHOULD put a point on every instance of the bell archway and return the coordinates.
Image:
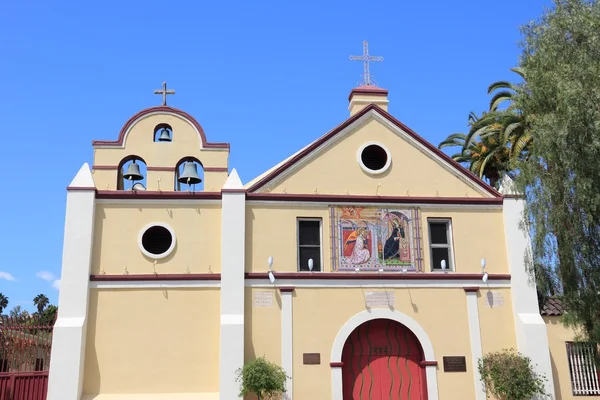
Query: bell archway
(188, 174)
(383, 354)
(131, 173)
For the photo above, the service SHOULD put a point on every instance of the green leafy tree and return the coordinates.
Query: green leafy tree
(18, 312)
(40, 301)
(48, 316)
(261, 377)
(561, 176)
(3, 302)
(509, 375)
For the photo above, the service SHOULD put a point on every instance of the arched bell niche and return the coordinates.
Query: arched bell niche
(189, 175)
(132, 173)
(163, 133)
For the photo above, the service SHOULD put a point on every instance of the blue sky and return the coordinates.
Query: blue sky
(268, 77)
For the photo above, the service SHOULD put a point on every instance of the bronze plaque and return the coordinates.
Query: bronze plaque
(455, 364)
(311, 358)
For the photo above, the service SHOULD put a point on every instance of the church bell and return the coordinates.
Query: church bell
(189, 176)
(165, 135)
(133, 172)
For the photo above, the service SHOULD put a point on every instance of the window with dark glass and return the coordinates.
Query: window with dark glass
(440, 244)
(309, 244)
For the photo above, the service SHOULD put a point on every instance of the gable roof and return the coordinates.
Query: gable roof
(296, 158)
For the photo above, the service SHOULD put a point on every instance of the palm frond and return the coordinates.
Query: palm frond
(473, 135)
(519, 71)
(500, 85)
(476, 167)
(510, 129)
(485, 161)
(499, 98)
(521, 145)
(455, 139)
(461, 158)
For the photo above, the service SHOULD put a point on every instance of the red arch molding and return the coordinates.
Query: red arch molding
(164, 109)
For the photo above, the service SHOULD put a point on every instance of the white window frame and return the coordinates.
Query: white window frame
(368, 170)
(157, 256)
(320, 220)
(449, 246)
(582, 371)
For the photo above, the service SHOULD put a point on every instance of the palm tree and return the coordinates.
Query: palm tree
(3, 302)
(483, 149)
(497, 139)
(513, 120)
(41, 301)
(507, 91)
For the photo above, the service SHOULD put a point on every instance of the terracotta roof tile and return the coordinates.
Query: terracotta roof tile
(553, 307)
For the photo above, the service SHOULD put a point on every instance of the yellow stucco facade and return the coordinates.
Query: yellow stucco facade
(168, 290)
(128, 351)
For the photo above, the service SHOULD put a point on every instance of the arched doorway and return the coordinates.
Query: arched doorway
(381, 360)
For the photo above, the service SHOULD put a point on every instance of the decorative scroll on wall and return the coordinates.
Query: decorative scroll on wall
(376, 238)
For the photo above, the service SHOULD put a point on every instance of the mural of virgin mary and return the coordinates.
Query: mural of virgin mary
(391, 249)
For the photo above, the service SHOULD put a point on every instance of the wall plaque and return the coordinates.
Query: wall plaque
(380, 299)
(263, 299)
(311, 358)
(455, 364)
(494, 299)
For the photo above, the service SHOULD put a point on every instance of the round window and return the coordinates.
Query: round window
(374, 158)
(157, 240)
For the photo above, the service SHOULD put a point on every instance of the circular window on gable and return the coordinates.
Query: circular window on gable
(374, 158)
(157, 240)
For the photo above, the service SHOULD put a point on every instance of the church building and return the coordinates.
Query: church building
(368, 264)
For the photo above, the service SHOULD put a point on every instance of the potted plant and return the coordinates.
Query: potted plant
(261, 377)
(509, 375)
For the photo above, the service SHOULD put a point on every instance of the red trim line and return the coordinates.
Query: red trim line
(155, 195)
(471, 289)
(233, 190)
(278, 171)
(115, 167)
(155, 277)
(286, 289)
(428, 363)
(368, 90)
(25, 374)
(85, 188)
(168, 169)
(333, 198)
(376, 276)
(163, 109)
(336, 364)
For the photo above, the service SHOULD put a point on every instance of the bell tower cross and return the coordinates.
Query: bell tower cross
(164, 93)
(366, 58)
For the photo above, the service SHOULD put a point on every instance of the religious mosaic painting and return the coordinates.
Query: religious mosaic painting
(376, 238)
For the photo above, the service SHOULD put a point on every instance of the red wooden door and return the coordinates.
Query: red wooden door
(381, 362)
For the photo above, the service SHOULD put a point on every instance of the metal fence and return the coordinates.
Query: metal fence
(25, 344)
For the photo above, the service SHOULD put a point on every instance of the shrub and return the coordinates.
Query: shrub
(508, 375)
(261, 377)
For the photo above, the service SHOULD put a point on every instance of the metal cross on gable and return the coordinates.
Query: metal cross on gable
(366, 59)
(164, 93)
